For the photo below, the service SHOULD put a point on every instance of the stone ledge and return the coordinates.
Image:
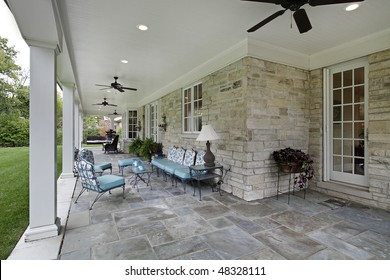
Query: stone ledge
(347, 190)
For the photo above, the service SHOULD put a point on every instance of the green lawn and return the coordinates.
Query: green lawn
(14, 200)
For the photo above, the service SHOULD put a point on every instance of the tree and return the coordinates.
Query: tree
(14, 99)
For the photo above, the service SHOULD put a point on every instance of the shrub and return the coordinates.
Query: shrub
(14, 131)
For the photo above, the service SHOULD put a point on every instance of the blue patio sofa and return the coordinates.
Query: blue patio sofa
(177, 163)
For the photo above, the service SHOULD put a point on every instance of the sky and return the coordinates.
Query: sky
(9, 30)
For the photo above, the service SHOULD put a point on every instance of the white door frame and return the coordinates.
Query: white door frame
(328, 172)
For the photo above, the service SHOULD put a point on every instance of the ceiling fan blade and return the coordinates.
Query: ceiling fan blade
(129, 88)
(330, 2)
(112, 105)
(302, 21)
(102, 85)
(267, 20)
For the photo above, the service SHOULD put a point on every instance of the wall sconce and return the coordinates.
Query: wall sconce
(163, 125)
(138, 127)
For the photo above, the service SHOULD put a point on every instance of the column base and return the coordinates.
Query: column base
(67, 175)
(47, 231)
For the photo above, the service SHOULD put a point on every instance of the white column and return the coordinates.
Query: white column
(81, 125)
(43, 149)
(68, 131)
(76, 120)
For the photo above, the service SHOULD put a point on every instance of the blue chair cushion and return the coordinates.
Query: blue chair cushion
(103, 165)
(183, 173)
(126, 162)
(108, 182)
(98, 169)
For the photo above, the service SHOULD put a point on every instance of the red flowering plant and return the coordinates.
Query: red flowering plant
(296, 161)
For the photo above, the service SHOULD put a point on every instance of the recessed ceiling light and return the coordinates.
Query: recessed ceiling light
(124, 61)
(108, 90)
(352, 7)
(142, 27)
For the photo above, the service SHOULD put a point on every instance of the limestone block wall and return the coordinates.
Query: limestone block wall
(316, 123)
(256, 107)
(379, 128)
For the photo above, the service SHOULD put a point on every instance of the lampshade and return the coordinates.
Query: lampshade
(207, 133)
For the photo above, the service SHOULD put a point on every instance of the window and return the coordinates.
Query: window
(133, 132)
(153, 122)
(192, 106)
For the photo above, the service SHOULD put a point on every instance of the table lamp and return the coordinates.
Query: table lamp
(206, 134)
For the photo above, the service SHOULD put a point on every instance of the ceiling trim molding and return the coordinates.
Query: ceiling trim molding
(212, 65)
(276, 54)
(354, 49)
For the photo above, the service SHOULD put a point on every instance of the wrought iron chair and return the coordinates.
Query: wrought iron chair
(91, 182)
(112, 147)
(88, 156)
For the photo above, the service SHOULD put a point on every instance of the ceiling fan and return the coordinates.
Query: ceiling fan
(300, 16)
(105, 103)
(117, 86)
(115, 113)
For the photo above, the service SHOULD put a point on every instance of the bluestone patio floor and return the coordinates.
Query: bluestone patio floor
(166, 223)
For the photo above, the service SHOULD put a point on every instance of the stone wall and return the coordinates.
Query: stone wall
(316, 123)
(379, 128)
(256, 107)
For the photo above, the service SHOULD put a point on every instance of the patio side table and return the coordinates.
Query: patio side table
(203, 173)
(138, 175)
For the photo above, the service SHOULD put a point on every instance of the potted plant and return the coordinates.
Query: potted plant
(295, 161)
(135, 146)
(157, 149)
(145, 150)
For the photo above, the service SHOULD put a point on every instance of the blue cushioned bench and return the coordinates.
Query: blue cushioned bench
(177, 163)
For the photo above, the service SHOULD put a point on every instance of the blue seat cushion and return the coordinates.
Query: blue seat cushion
(126, 162)
(170, 167)
(160, 163)
(183, 173)
(108, 182)
(103, 165)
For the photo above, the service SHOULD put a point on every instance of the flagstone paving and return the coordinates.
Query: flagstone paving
(169, 223)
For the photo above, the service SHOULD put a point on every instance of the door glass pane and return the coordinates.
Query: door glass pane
(337, 80)
(347, 113)
(347, 147)
(337, 130)
(337, 163)
(347, 78)
(347, 95)
(347, 164)
(359, 112)
(337, 147)
(337, 97)
(359, 76)
(347, 130)
(359, 94)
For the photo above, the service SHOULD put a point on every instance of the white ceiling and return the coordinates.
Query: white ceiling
(184, 34)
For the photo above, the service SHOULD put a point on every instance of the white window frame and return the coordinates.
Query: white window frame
(128, 124)
(192, 119)
(151, 122)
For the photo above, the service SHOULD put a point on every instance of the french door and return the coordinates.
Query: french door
(347, 110)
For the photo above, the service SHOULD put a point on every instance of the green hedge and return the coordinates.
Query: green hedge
(14, 131)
